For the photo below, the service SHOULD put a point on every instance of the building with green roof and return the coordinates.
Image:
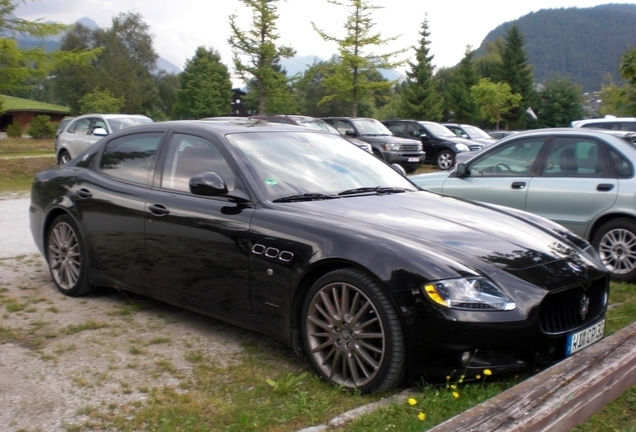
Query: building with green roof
(24, 111)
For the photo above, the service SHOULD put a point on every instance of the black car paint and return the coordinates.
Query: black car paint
(219, 248)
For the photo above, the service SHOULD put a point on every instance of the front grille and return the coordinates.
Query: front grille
(410, 147)
(562, 311)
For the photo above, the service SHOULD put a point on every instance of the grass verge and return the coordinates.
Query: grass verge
(21, 159)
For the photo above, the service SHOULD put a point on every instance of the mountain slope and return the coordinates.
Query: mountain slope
(583, 44)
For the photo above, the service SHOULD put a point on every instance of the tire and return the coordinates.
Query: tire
(63, 158)
(445, 160)
(355, 341)
(67, 257)
(615, 242)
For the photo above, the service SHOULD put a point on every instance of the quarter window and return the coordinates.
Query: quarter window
(130, 158)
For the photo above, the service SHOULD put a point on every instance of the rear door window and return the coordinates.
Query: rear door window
(131, 158)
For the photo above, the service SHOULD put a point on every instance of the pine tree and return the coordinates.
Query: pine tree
(420, 98)
(517, 73)
(205, 87)
(255, 52)
(459, 100)
(348, 80)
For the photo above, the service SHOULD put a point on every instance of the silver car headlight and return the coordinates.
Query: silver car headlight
(462, 147)
(468, 293)
(392, 147)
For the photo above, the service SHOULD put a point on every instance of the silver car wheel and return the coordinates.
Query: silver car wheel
(345, 335)
(445, 160)
(64, 158)
(617, 250)
(64, 256)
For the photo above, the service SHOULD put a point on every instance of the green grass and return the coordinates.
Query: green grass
(21, 159)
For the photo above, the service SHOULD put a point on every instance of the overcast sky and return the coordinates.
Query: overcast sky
(180, 26)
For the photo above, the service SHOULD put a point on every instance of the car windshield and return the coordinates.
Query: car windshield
(311, 164)
(318, 125)
(125, 122)
(475, 132)
(370, 127)
(438, 130)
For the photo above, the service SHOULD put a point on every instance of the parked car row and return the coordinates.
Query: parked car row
(285, 231)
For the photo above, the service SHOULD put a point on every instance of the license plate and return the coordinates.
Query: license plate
(414, 159)
(579, 340)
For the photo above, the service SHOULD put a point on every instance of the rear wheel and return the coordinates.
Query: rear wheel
(352, 333)
(67, 257)
(615, 242)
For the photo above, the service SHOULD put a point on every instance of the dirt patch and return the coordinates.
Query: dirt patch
(61, 356)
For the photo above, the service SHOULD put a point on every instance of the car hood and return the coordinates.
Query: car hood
(454, 231)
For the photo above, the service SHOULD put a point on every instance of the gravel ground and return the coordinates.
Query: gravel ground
(60, 354)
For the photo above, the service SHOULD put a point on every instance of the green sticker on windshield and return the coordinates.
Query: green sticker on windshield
(270, 181)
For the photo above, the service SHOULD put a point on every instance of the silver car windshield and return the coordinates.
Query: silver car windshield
(125, 122)
(296, 163)
(370, 127)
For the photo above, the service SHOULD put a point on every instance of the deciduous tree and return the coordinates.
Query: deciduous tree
(494, 99)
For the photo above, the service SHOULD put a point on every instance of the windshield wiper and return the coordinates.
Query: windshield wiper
(308, 196)
(375, 189)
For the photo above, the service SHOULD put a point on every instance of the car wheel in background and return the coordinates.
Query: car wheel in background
(67, 257)
(615, 242)
(63, 157)
(351, 332)
(445, 159)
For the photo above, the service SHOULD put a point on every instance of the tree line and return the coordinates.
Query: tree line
(114, 70)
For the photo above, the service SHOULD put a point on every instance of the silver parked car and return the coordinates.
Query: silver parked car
(582, 179)
(88, 129)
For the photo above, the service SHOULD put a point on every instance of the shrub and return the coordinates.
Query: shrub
(41, 127)
(14, 130)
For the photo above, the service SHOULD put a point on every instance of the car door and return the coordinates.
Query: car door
(110, 202)
(197, 245)
(576, 183)
(501, 176)
(77, 135)
(429, 144)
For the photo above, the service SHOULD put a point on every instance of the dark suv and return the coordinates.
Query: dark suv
(386, 146)
(440, 143)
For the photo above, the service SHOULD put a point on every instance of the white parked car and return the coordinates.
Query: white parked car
(88, 129)
(608, 122)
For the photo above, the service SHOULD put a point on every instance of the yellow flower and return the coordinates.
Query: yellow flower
(455, 395)
(478, 377)
(487, 372)
(453, 386)
(421, 416)
(412, 401)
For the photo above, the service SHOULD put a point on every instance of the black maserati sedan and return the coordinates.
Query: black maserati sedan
(319, 245)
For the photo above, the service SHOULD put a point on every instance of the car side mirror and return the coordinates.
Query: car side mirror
(100, 132)
(461, 170)
(207, 184)
(350, 132)
(424, 137)
(399, 168)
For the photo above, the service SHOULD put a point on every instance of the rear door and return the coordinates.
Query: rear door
(575, 184)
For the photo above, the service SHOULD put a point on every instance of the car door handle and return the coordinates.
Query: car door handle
(158, 210)
(518, 185)
(605, 187)
(83, 193)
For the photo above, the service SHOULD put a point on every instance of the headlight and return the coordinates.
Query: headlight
(462, 147)
(468, 293)
(392, 147)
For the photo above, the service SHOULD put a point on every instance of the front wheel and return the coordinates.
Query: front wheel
(67, 257)
(352, 333)
(63, 158)
(445, 160)
(615, 242)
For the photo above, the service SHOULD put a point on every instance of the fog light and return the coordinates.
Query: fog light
(466, 357)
